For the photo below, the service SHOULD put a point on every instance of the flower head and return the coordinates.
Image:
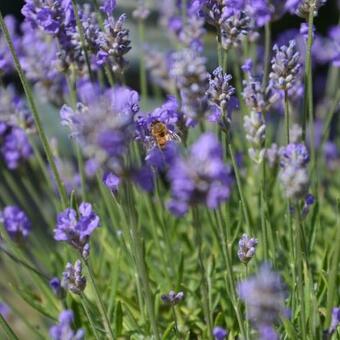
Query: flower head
(219, 333)
(73, 279)
(220, 91)
(16, 222)
(189, 72)
(302, 8)
(264, 297)
(103, 122)
(335, 320)
(63, 330)
(202, 177)
(113, 43)
(293, 172)
(246, 248)
(255, 128)
(76, 229)
(285, 66)
(172, 298)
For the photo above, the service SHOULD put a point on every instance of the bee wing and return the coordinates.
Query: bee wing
(175, 137)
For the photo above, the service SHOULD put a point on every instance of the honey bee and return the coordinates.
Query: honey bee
(162, 135)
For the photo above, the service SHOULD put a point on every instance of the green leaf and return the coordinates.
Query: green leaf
(168, 331)
(118, 318)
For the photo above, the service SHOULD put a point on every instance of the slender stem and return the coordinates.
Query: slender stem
(89, 317)
(137, 247)
(24, 264)
(175, 320)
(100, 303)
(239, 187)
(308, 95)
(286, 105)
(204, 291)
(142, 69)
(35, 113)
(7, 329)
(332, 278)
(267, 48)
(230, 276)
(300, 259)
(82, 38)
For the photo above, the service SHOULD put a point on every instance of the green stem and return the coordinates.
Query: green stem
(100, 303)
(88, 315)
(142, 69)
(137, 247)
(175, 320)
(332, 278)
(308, 86)
(300, 259)
(24, 264)
(7, 329)
(35, 113)
(286, 105)
(204, 282)
(267, 48)
(239, 187)
(230, 275)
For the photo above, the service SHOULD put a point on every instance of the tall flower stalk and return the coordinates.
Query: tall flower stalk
(36, 116)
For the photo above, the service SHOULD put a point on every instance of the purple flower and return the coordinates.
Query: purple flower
(285, 66)
(144, 177)
(16, 222)
(167, 114)
(103, 123)
(220, 91)
(15, 147)
(111, 181)
(309, 201)
(302, 8)
(172, 298)
(219, 333)
(255, 128)
(293, 172)
(246, 248)
(261, 11)
(57, 288)
(189, 72)
(264, 297)
(247, 66)
(108, 7)
(6, 61)
(4, 310)
(73, 279)
(63, 330)
(331, 155)
(202, 177)
(113, 43)
(335, 320)
(76, 229)
(233, 29)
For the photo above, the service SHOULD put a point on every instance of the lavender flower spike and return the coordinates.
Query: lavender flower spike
(73, 279)
(63, 330)
(16, 223)
(247, 248)
(220, 91)
(219, 333)
(172, 298)
(255, 128)
(335, 320)
(293, 173)
(264, 297)
(202, 177)
(302, 8)
(285, 66)
(74, 229)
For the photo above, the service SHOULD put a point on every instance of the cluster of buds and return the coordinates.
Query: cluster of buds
(172, 298)
(246, 248)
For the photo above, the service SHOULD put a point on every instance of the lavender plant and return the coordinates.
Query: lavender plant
(142, 143)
